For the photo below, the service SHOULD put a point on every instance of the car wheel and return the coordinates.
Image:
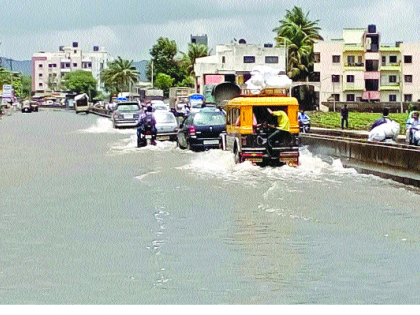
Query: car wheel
(189, 146)
(179, 144)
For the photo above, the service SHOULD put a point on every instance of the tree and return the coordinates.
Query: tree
(194, 51)
(163, 58)
(299, 34)
(120, 76)
(26, 86)
(164, 82)
(188, 82)
(80, 81)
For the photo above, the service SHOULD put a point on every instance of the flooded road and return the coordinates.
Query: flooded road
(88, 218)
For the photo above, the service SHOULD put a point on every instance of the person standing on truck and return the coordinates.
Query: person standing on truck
(283, 124)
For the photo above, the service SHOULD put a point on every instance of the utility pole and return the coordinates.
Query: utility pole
(152, 74)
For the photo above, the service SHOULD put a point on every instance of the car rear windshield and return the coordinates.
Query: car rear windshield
(205, 119)
(165, 118)
(128, 107)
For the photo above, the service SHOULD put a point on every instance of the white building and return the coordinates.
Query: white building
(358, 68)
(49, 68)
(235, 62)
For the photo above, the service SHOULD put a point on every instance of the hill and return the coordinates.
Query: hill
(22, 66)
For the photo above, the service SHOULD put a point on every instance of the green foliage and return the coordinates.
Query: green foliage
(120, 76)
(164, 82)
(163, 58)
(357, 121)
(26, 86)
(299, 33)
(194, 51)
(188, 82)
(80, 82)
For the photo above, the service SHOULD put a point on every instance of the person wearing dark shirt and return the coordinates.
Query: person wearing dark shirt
(344, 116)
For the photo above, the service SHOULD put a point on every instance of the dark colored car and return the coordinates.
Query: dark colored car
(201, 130)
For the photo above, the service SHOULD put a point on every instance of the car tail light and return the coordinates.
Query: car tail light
(191, 131)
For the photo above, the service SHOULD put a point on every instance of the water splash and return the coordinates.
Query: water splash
(104, 125)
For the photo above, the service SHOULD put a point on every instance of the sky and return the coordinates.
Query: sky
(129, 28)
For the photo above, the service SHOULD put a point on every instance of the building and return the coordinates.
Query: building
(49, 68)
(235, 62)
(199, 39)
(359, 68)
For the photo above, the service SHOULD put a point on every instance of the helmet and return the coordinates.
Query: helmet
(149, 108)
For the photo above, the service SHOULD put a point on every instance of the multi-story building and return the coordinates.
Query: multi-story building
(235, 63)
(359, 68)
(50, 68)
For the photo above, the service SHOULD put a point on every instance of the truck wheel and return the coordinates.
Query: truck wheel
(238, 157)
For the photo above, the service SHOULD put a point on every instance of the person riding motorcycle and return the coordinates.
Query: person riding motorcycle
(147, 123)
(304, 121)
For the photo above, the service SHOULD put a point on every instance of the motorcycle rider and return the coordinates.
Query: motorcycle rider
(303, 119)
(147, 123)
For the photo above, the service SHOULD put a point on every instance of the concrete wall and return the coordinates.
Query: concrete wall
(399, 162)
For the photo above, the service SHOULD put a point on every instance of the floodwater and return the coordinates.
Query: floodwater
(88, 218)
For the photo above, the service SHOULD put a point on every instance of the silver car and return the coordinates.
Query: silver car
(166, 125)
(126, 114)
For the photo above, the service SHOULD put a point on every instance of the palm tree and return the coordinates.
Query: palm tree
(299, 34)
(194, 51)
(119, 76)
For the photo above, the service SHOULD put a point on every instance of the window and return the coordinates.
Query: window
(408, 78)
(223, 59)
(350, 97)
(383, 60)
(40, 66)
(40, 75)
(317, 57)
(75, 51)
(350, 78)
(392, 79)
(336, 97)
(74, 64)
(40, 84)
(336, 59)
(350, 60)
(50, 65)
(271, 59)
(408, 97)
(372, 65)
(359, 60)
(335, 78)
(249, 59)
(392, 98)
(408, 59)
(392, 59)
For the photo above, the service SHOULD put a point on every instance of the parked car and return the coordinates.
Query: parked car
(166, 125)
(201, 130)
(126, 114)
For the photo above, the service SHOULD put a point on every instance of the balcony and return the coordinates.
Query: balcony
(390, 86)
(372, 95)
(354, 67)
(349, 87)
(391, 66)
(372, 75)
(353, 48)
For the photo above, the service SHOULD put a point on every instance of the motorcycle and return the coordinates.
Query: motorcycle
(304, 125)
(145, 139)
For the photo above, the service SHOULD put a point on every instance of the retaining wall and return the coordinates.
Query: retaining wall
(399, 162)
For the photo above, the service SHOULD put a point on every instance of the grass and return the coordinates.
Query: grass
(357, 121)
